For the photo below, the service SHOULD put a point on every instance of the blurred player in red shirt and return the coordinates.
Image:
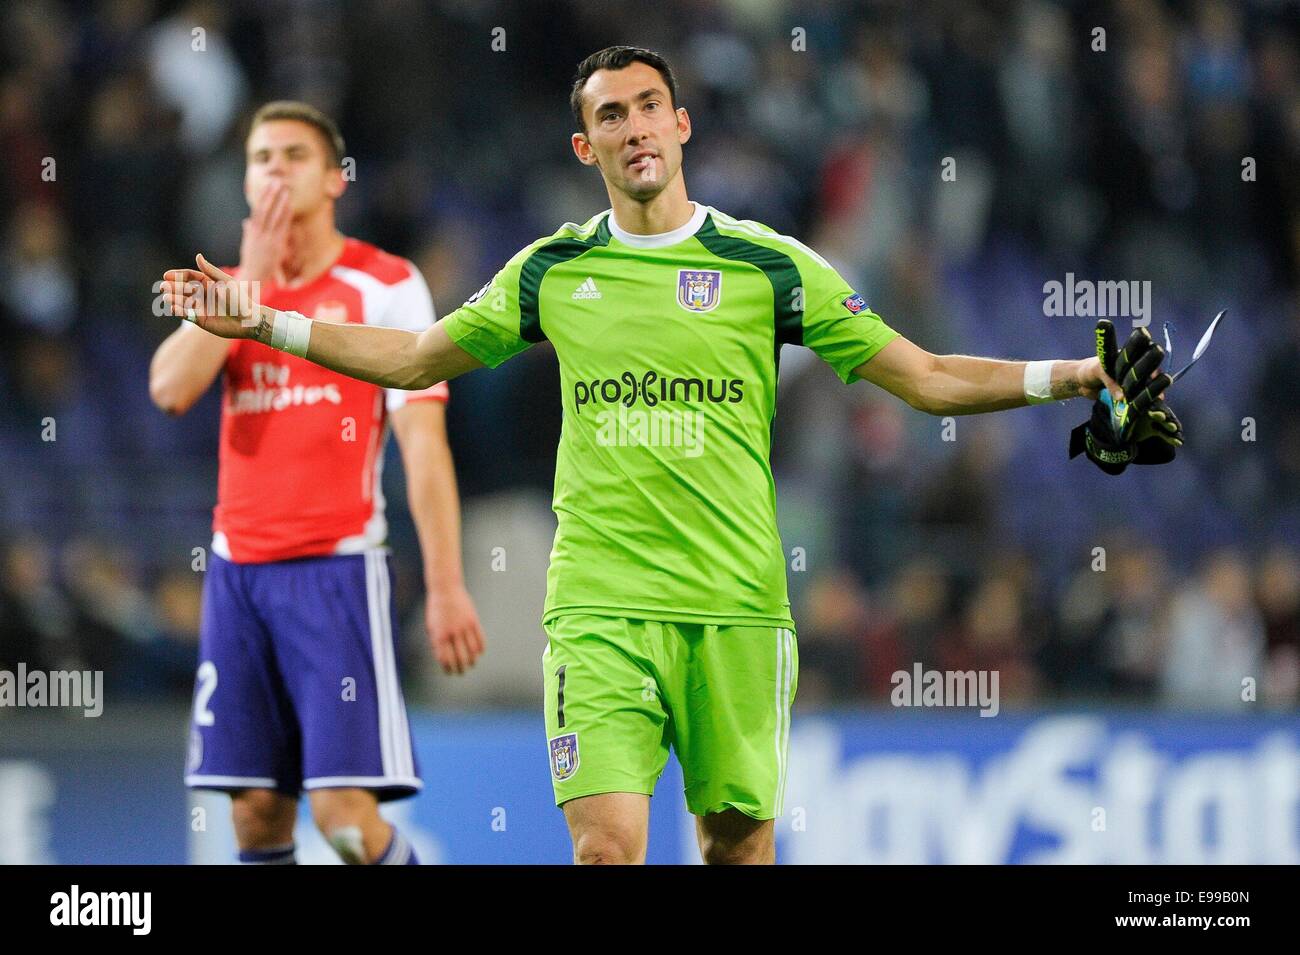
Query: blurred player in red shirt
(297, 685)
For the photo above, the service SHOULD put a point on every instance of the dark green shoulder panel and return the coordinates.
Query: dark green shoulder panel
(776, 265)
(538, 264)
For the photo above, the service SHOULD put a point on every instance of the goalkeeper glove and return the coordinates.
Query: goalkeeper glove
(1121, 432)
(1158, 435)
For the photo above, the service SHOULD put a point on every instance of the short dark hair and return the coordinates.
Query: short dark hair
(304, 113)
(616, 58)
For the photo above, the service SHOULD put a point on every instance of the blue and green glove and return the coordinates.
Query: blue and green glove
(1139, 428)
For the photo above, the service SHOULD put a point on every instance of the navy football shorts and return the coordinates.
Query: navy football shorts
(297, 683)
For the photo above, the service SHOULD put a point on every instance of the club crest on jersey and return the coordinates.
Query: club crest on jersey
(332, 311)
(855, 303)
(698, 291)
(564, 756)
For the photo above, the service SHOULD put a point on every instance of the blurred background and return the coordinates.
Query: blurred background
(1135, 141)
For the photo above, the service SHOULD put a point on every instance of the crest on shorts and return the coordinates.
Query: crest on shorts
(699, 290)
(564, 756)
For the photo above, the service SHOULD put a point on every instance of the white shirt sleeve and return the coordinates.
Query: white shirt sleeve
(410, 306)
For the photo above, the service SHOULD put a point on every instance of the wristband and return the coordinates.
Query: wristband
(1038, 382)
(290, 333)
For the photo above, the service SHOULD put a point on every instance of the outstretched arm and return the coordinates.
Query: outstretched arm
(390, 357)
(228, 307)
(959, 384)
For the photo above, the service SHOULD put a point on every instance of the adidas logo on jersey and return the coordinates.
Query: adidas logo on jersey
(587, 289)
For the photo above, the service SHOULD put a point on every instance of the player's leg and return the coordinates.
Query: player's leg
(349, 820)
(605, 732)
(264, 821)
(729, 690)
(333, 626)
(732, 838)
(243, 733)
(609, 828)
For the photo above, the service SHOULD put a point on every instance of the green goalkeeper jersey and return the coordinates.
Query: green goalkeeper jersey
(668, 348)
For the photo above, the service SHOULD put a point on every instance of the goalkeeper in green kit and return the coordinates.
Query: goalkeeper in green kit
(666, 612)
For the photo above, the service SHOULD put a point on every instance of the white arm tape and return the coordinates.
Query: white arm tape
(1038, 382)
(290, 333)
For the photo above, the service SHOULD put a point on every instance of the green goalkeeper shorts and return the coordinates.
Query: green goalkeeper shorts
(620, 692)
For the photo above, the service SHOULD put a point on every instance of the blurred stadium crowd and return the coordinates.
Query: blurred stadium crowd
(122, 150)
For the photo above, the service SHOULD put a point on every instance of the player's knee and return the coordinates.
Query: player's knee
(608, 846)
(343, 818)
(733, 839)
(343, 808)
(262, 818)
(716, 850)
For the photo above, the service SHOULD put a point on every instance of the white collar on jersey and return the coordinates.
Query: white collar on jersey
(661, 239)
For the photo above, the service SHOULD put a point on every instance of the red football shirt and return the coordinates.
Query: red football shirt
(301, 446)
